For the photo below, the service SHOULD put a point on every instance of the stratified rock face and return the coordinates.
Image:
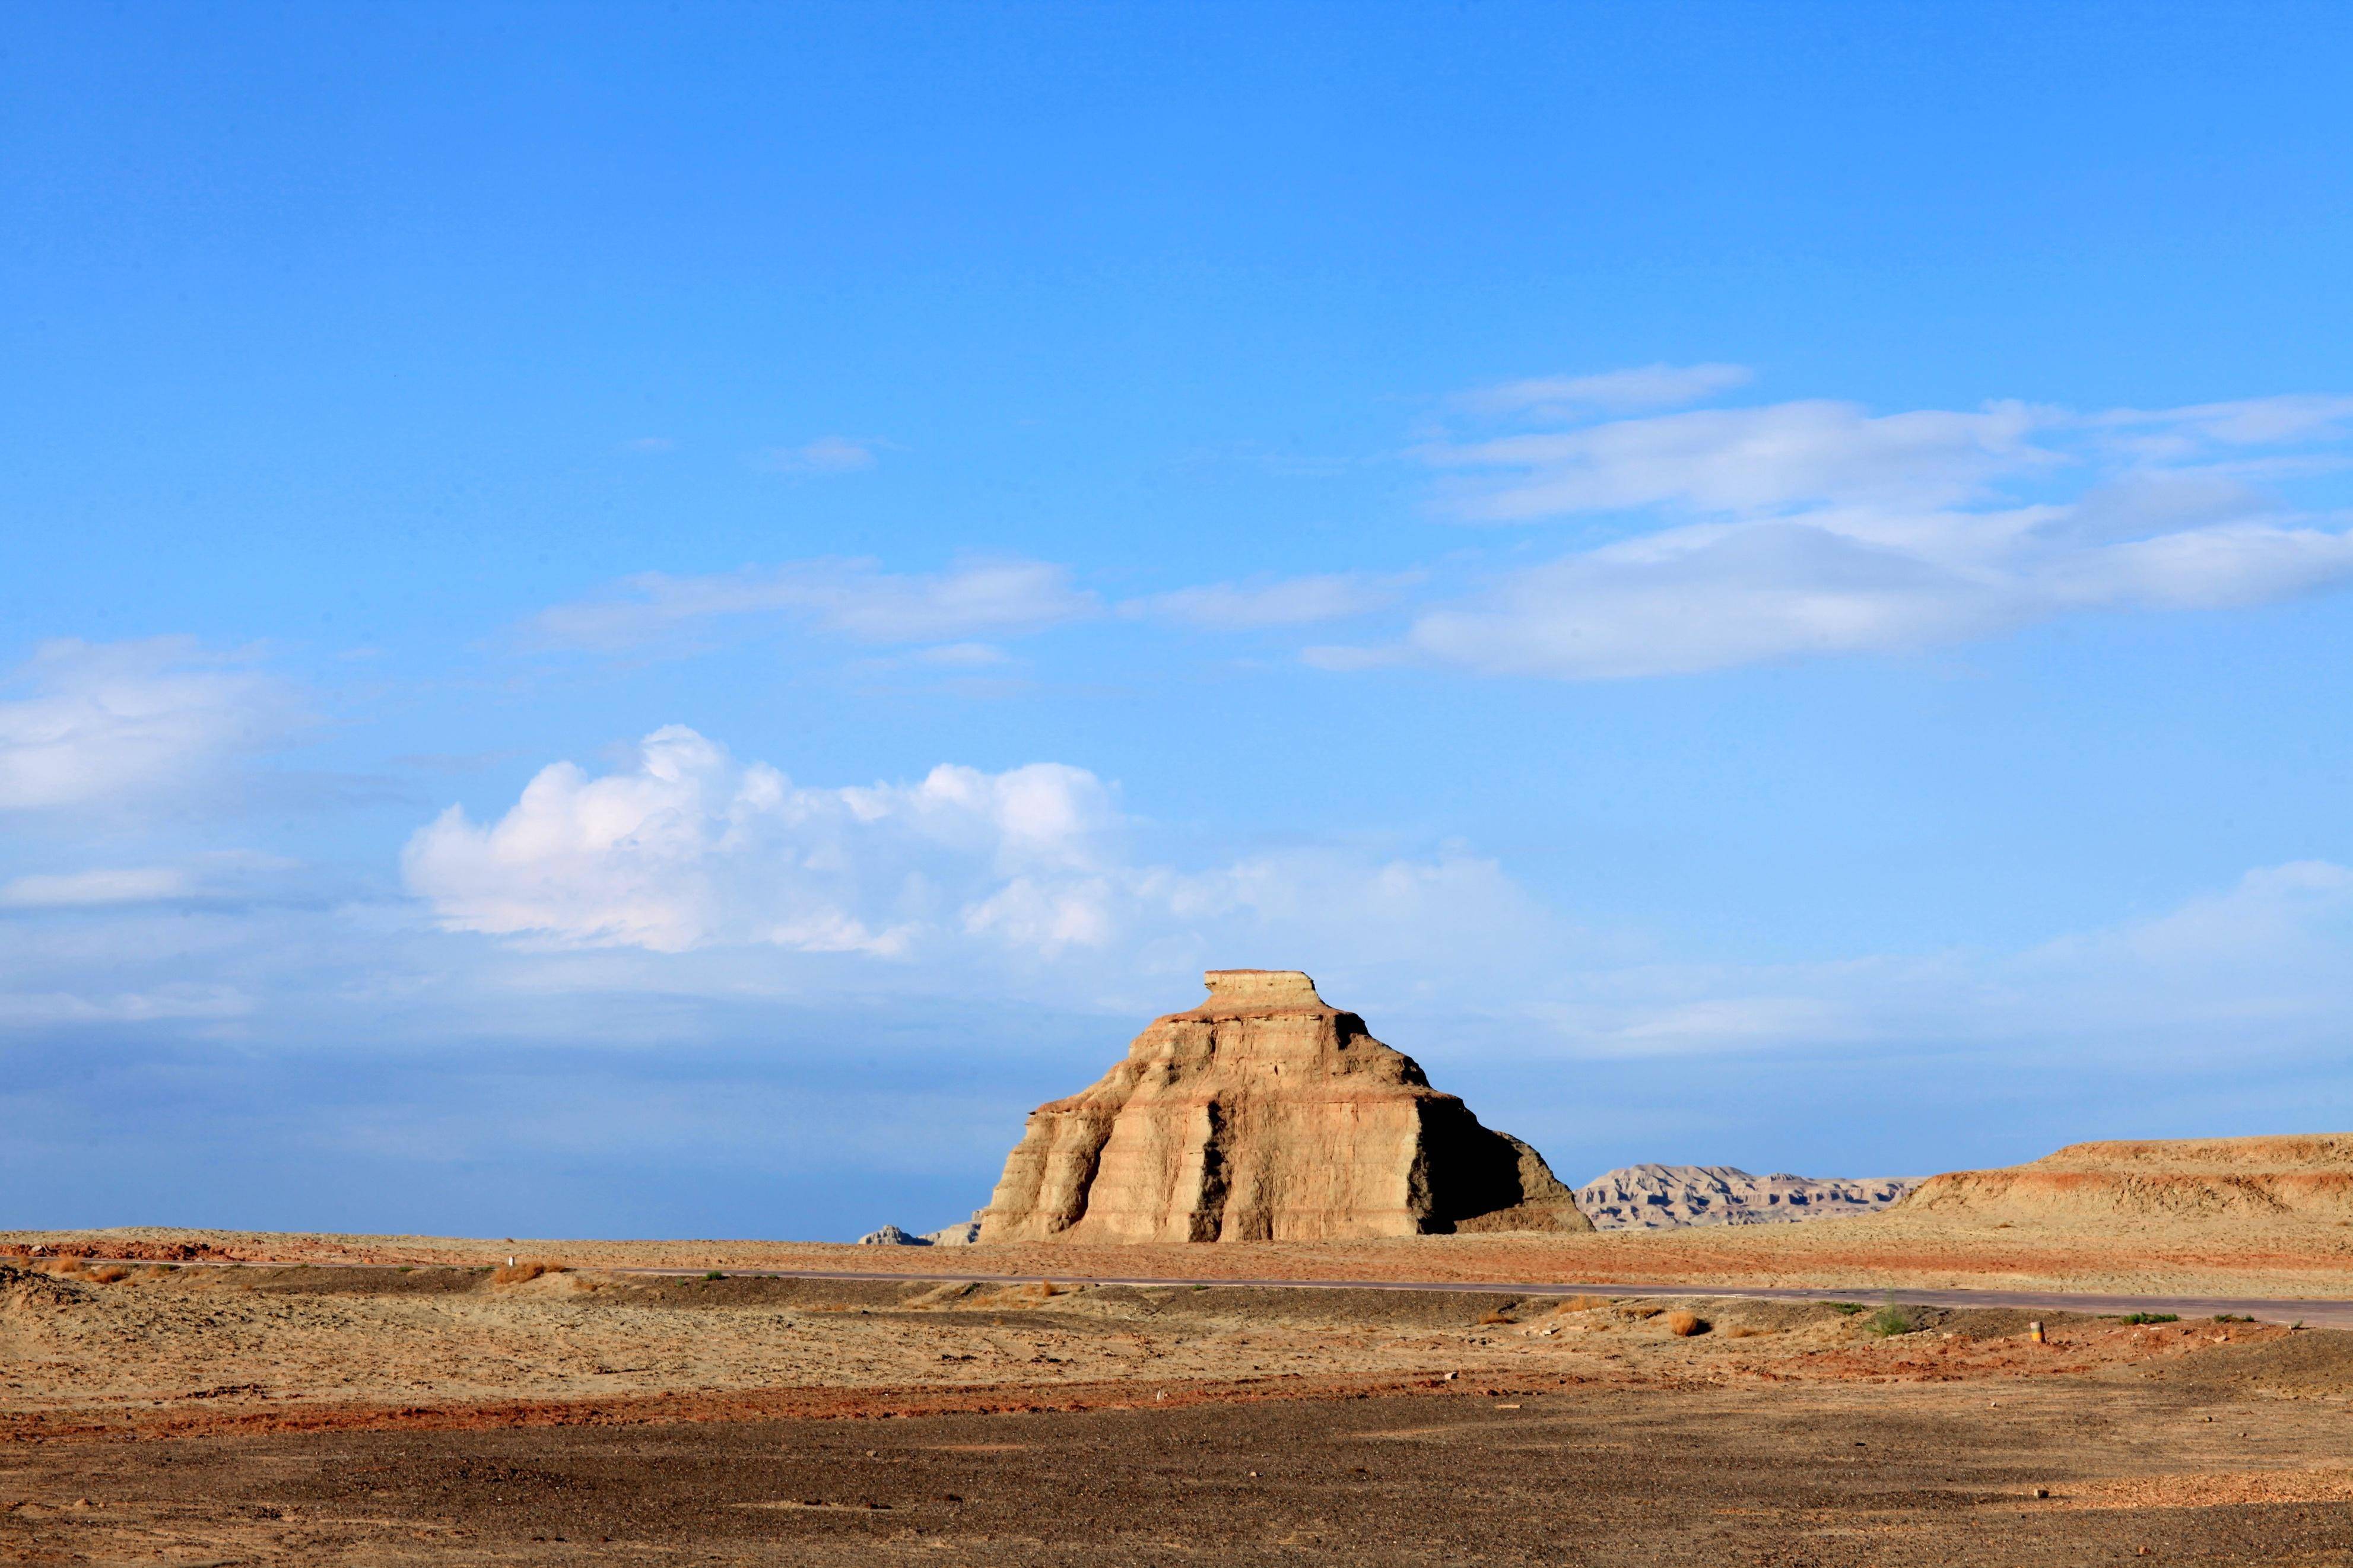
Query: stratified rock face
(1266, 1115)
(2304, 1176)
(1661, 1197)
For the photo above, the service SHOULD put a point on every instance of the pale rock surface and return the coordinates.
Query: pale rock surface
(2297, 1177)
(963, 1233)
(892, 1235)
(1265, 1114)
(1661, 1197)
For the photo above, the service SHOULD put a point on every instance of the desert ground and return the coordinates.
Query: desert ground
(394, 1399)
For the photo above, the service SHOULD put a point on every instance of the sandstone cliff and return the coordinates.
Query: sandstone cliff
(1266, 1115)
(2306, 1176)
(1661, 1197)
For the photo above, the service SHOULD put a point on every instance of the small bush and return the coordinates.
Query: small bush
(1745, 1332)
(517, 1274)
(2230, 1318)
(714, 1274)
(2138, 1318)
(1582, 1304)
(1643, 1314)
(111, 1274)
(1492, 1318)
(1891, 1320)
(1683, 1325)
(1846, 1308)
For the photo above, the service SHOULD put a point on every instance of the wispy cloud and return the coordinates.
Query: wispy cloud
(69, 890)
(854, 599)
(1283, 602)
(106, 721)
(826, 455)
(1804, 529)
(1610, 392)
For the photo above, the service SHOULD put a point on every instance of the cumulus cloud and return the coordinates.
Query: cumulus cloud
(105, 721)
(1742, 535)
(854, 599)
(691, 850)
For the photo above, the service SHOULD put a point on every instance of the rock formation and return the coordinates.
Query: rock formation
(2305, 1176)
(892, 1235)
(1265, 1114)
(1660, 1197)
(963, 1233)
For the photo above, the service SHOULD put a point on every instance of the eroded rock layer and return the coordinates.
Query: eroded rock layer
(1662, 1197)
(1265, 1114)
(2302, 1177)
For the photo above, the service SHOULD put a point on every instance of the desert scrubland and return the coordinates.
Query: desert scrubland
(204, 1396)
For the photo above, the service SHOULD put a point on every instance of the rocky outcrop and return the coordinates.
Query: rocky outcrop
(1661, 1197)
(960, 1235)
(2306, 1176)
(1264, 1114)
(892, 1235)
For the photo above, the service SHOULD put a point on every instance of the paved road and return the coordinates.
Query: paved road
(2317, 1313)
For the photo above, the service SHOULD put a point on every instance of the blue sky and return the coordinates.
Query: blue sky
(630, 620)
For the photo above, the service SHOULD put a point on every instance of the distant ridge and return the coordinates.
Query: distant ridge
(2306, 1176)
(1663, 1197)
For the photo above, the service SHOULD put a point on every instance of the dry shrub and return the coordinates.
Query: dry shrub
(527, 1269)
(1581, 1304)
(1643, 1314)
(1745, 1332)
(1683, 1325)
(111, 1274)
(1491, 1319)
(67, 1266)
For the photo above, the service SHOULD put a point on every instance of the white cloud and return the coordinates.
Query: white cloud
(67, 889)
(1745, 460)
(1746, 535)
(826, 455)
(849, 599)
(2261, 969)
(1289, 602)
(105, 721)
(965, 874)
(692, 848)
(48, 1009)
(1611, 392)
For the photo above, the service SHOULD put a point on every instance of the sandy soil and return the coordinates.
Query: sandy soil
(203, 1348)
(325, 1415)
(1897, 1251)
